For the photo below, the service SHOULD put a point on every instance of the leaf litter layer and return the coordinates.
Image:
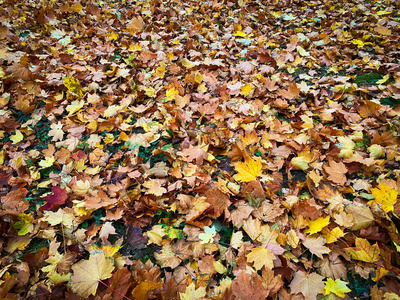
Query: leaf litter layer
(186, 150)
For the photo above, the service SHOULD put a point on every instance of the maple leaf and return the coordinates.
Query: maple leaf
(310, 285)
(191, 293)
(61, 216)
(247, 286)
(333, 235)
(47, 162)
(292, 92)
(236, 239)
(56, 199)
(56, 131)
(208, 235)
(75, 106)
(246, 89)
(364, 251)
(17, 137)
(248, 170)
(316, 246)
(198, 153)
(261, 257)
(88, 274)
(385, 196)
(135, 25)
(154, 187)
(338, 287)
(336, 172)
(317, 225)
(73, 85)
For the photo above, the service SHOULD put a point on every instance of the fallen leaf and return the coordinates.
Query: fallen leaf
(364, 251)
(88, 274)
(141, 291)
(337, 172)
(191, 293)
(316, 246)
(261, 257)
(317, 225)
(385, 196)
(248, 170)
(338, 287)
(310, 285)
(56, 199)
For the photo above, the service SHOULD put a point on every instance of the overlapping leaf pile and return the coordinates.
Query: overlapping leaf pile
(215, 150)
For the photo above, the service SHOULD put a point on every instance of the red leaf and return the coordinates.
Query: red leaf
(56, 199)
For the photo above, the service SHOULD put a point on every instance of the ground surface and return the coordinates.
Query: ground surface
(216, 150)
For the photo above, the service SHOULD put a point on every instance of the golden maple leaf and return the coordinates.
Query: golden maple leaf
(248, 170)
(261, 257)
(338, 287)
(385, 196)
(364, 251)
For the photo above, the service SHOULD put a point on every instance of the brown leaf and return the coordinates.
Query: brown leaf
(292, 92)
(135, 25)
(218, 202)
(247, 286)
(337, 172)
(20, 71)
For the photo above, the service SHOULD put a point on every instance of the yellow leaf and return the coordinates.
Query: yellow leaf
(160, 71)
(239, 33)
(77, 7)
(59, 217)
(236, 240)
(219, 267)
(73, 85)
(338, 287)
(300, 162)
(74, 106)
(155, 235)
(198, 78)
(208, 235)
(333, 235)
(2, 156)
(364, 251)
(302, 52)
(384, 79)
(154, 187)
(17, 137)
(192, 294)
(170, 94)
(248, 170)
(112, 36)
(385, 196)
(47, 162)
(261, 257)
(317, 225)
(246, 89)
(187, 63)
(88, 273)
(359, 43)
(379, 273)
(150, 92)
(383, 12)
